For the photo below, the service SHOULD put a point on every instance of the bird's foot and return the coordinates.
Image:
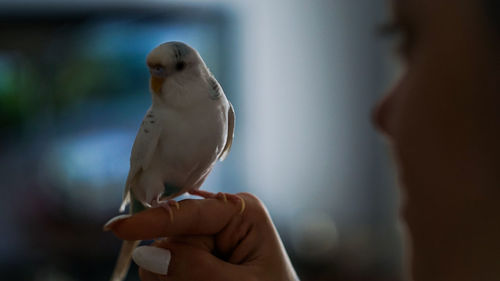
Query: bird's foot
(202, 193)
(221, 196)
(167, 205)
(231, 197)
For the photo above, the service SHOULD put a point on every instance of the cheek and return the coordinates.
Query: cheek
(408, 126)
(433, 136)
(417, 127)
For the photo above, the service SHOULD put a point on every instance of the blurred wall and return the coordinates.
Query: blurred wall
(311, 74)
(313, 70)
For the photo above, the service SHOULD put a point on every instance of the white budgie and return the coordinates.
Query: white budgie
(188, 127)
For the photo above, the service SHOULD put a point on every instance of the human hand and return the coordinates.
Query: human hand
(210, 240)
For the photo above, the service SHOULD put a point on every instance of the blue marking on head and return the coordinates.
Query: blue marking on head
(180, 50)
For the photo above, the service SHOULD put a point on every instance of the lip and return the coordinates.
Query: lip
(403, 204)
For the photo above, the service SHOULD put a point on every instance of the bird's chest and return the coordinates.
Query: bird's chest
(188, 140)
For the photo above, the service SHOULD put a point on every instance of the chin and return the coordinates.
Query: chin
(403, 194)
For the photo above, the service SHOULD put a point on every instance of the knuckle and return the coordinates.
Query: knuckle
(254, 204)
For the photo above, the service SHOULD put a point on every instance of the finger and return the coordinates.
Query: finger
(195, 217)
(145, 275)
(190, 263)
(202, 242)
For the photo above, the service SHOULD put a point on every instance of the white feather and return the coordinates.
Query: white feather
(142, 151)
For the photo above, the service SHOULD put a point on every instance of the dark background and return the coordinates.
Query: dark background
(302, 77)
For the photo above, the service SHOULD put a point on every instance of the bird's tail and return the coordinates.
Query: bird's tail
(123, 262)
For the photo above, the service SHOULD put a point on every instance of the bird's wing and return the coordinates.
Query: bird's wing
(230, 133)
(143, 150)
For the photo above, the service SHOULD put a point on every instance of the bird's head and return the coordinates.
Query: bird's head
(172, 61)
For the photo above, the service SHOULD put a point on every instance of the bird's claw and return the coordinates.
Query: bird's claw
(166, 205)
(221, 195)
(176, 204)
(243, 205)
(232, 197)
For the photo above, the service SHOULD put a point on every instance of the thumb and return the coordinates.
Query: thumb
(181, 261)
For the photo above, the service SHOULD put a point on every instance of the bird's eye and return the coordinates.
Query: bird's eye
(157, 70)
(180, 65)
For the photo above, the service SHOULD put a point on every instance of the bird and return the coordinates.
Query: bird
(188, 127)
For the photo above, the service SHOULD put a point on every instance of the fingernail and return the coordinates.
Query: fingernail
(152, 259)
(107, 226)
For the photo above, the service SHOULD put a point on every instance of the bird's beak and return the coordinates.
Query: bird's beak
(158, 76)
(156, 83)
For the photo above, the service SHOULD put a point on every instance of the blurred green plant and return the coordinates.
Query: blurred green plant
(19, 84)
(28, 87)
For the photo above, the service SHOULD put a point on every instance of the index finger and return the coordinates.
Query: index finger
(194, 217)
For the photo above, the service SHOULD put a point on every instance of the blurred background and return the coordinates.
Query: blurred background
(303, 77)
